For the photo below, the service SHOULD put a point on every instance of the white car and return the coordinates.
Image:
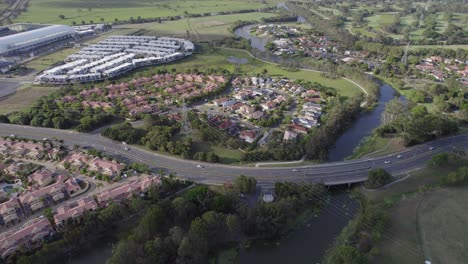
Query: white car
(12, 135)
(387, 162)
(124, 143)
(295, 170)
(200, 166)
(127, 149)
(399, 156)
(431, 148)
(45, 139)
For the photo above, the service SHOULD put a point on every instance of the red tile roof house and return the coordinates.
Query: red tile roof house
(28, 150)
(35, 200)
(10, 210)
(270, 105)
(127, 190)
(30, 235)
(13, 168)
(42, 177)
(226, 124)
(248, 136)
(72, 186)
(106, 167)
(298, 129)
(76, 159)
(74, 210)
(5, 145)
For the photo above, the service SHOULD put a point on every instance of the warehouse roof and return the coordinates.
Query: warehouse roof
(24, 39)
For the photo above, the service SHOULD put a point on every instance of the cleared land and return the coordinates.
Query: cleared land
(48, 11)
(44, 62)
(24, 97)
(375, 146)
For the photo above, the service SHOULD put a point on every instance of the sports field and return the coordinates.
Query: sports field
(48, 11)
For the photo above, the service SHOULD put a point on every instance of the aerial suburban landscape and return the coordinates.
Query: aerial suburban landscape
(233, 131)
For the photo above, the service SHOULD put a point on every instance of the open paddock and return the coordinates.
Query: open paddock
(48, 11)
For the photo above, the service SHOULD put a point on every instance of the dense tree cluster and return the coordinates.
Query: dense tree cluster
(193, 226)
(414, 125)
(339, 116)
(377, 178)
(360, 235)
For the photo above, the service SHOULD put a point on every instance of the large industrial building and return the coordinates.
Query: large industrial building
(115, 56)
(21, 38)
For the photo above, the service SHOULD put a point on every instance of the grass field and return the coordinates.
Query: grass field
(48, 11)
(426, 223)
(24, 97)
(375, 146)
(205, 28)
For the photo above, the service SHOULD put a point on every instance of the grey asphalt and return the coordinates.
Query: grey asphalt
(332, 173)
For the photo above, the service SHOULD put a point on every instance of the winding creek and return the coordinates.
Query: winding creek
(309, 242)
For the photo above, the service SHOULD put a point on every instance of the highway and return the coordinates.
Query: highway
(333, 173)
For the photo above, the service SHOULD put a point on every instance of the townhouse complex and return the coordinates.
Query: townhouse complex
(439, 68)
(115, 56)
(28, 188)
(146, 95)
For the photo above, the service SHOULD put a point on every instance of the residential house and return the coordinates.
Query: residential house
(76, 159)
(246, 110)
(289, 136)
(106, 167)
(248, 136)
(269, 105)
(74, 210)
(30, 236)
(42, 177)
(257, 115)
(72, 186)
(298, 129)
(36, 200)
(127, 190)
(226, 124)
(10, 210)
(28, 150)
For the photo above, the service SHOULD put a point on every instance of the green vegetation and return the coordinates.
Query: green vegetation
(54, 11)
(414, 125)
(374, 146)
(194, 226)
(377, 178)
(420, 218)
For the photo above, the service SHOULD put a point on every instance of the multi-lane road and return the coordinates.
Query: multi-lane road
(333, 173)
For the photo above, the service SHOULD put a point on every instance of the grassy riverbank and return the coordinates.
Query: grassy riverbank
(424, 220)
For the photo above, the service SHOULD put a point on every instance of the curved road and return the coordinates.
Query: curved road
(332, 173)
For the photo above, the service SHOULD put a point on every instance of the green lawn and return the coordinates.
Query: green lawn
(48, 11)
